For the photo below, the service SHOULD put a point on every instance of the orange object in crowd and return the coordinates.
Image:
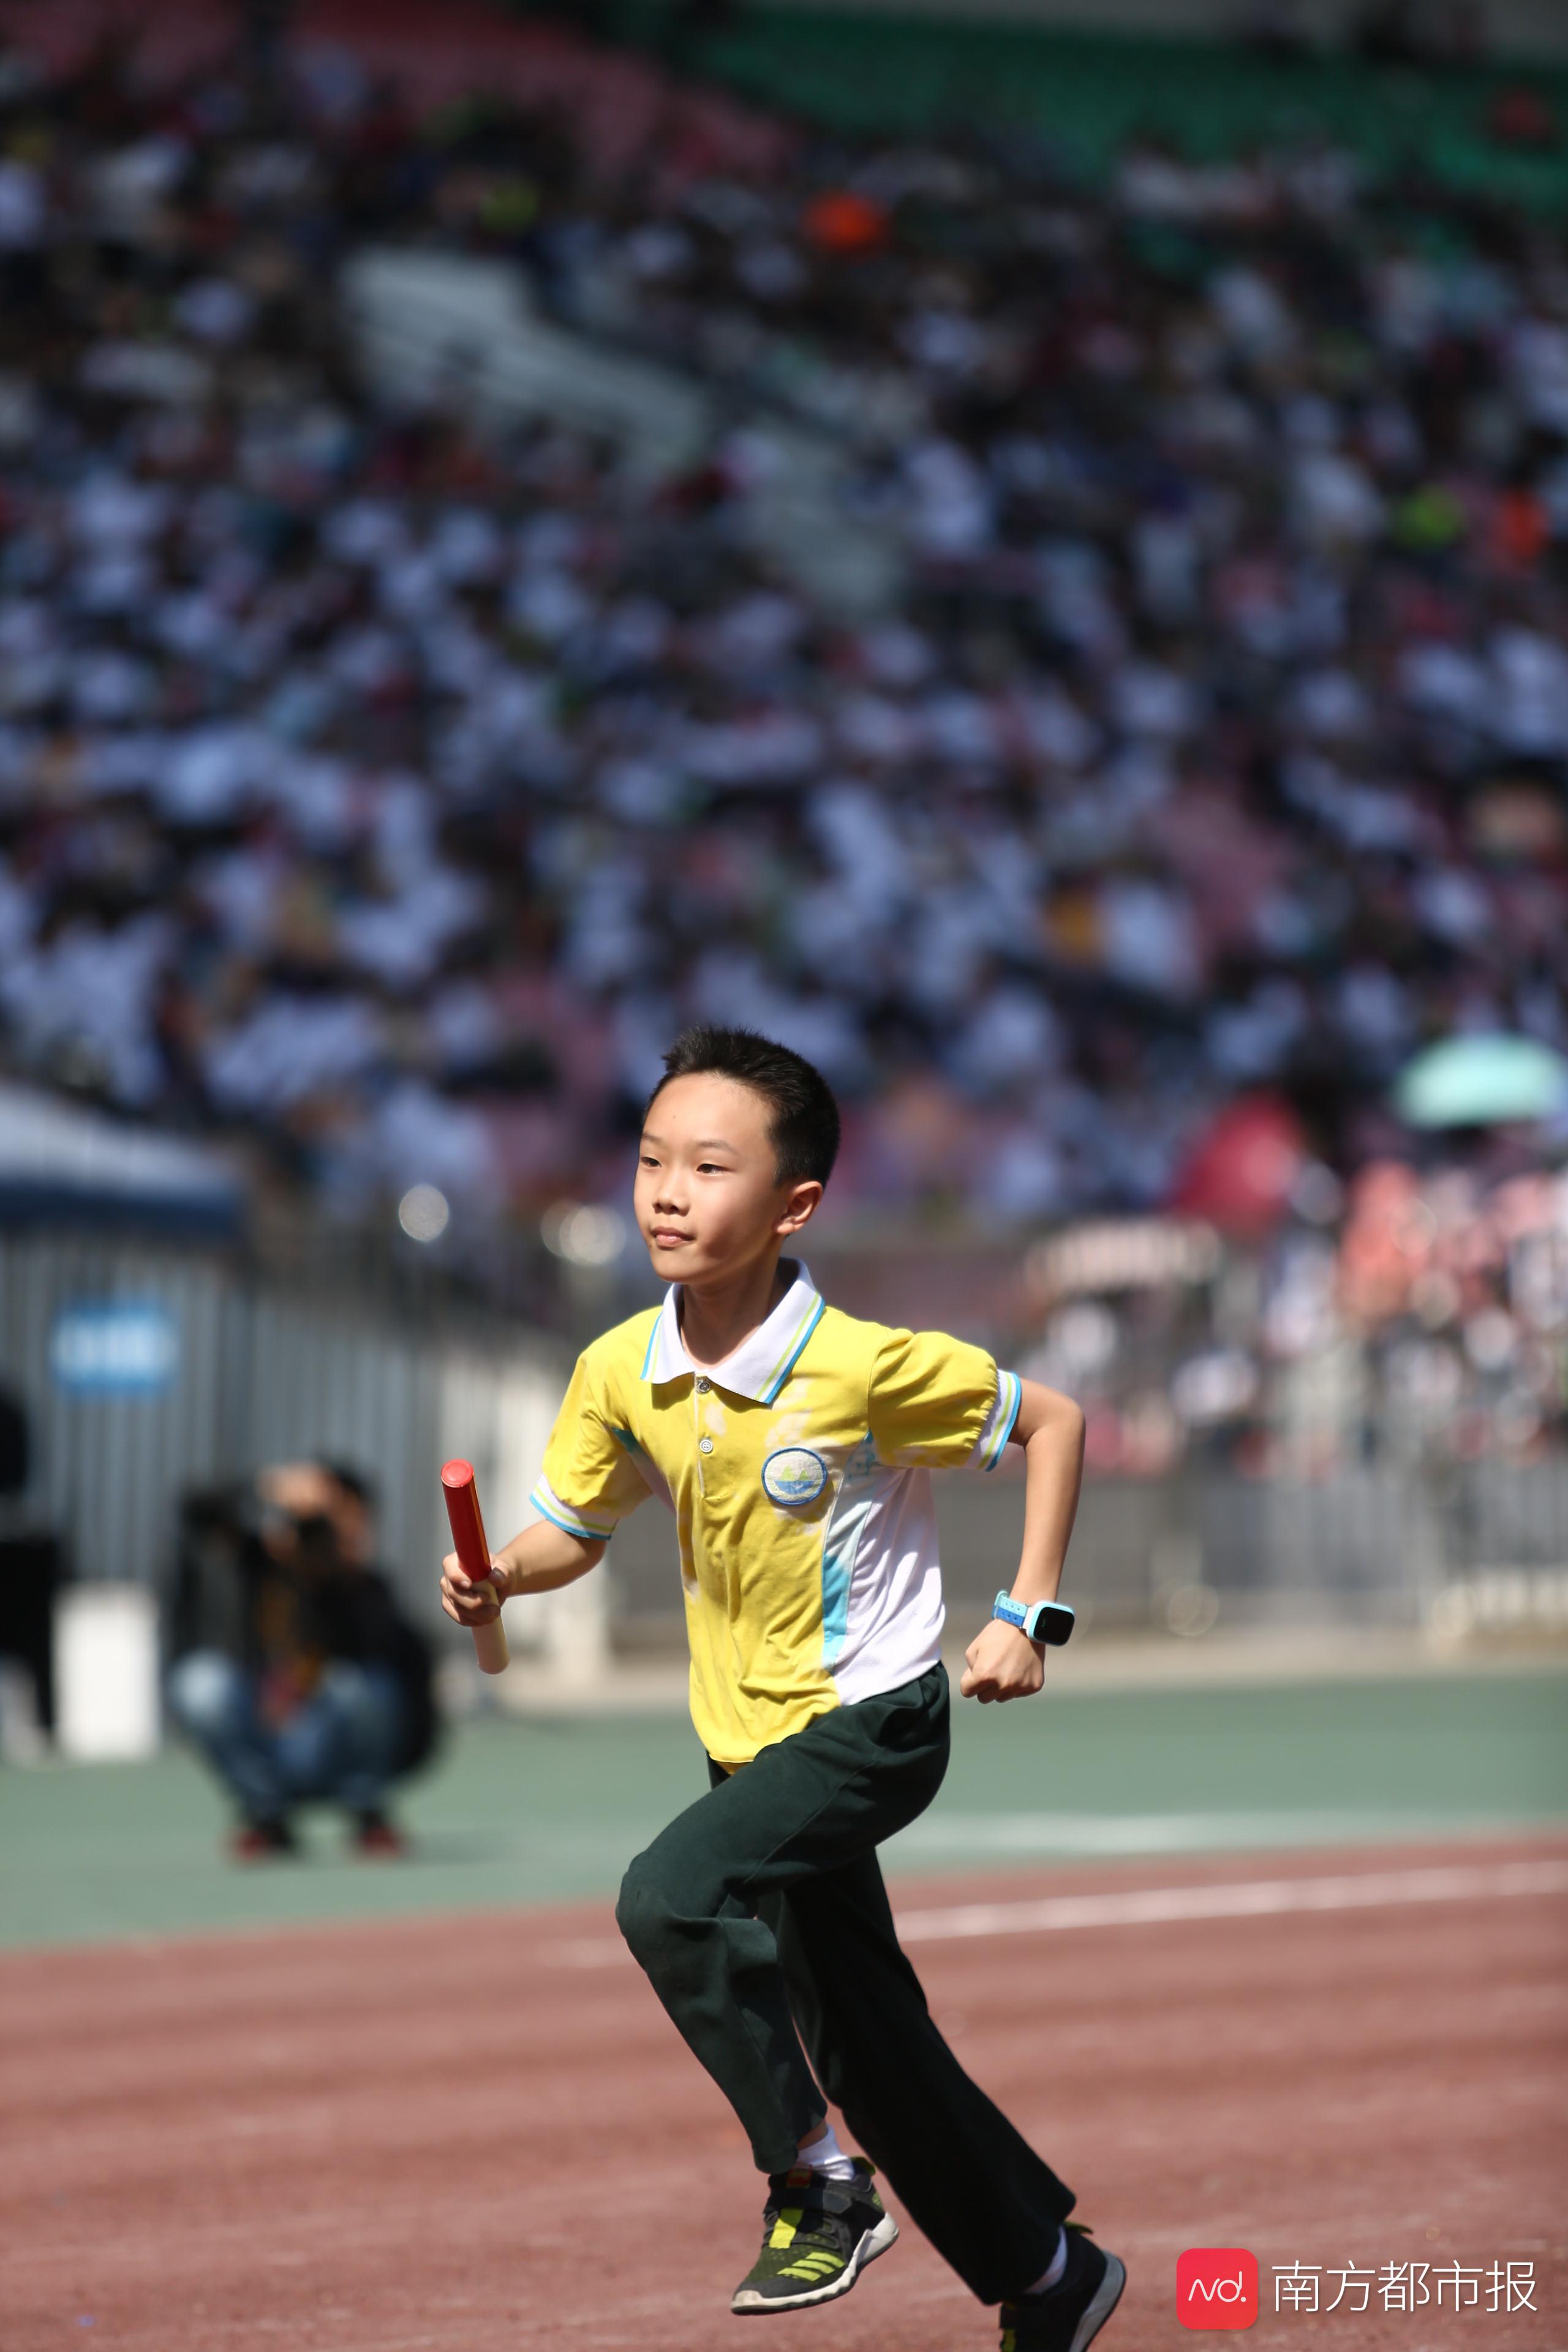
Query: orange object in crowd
(842, 221)
(1520, 528)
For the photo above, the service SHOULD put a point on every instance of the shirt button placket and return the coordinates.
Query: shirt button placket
(700, 1387)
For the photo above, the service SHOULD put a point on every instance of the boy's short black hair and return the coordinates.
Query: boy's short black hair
(803, 1123)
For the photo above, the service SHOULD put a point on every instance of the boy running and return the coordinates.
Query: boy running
(794, 1445)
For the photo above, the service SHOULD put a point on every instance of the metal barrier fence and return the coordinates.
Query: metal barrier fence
(146, 1370)
(1393, 1546)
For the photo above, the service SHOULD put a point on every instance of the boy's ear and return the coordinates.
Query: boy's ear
(803, 1199)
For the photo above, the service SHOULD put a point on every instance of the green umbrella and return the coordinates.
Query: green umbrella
(1481, 1082)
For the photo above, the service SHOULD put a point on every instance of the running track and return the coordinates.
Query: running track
(466, 2133)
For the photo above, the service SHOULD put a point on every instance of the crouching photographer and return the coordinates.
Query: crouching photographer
(298, 1677)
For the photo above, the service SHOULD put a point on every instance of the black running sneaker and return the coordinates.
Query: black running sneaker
(1065, 2317)
(817, 2237)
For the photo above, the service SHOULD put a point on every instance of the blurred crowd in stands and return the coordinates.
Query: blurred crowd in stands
(1424, 1322)
(390, 794)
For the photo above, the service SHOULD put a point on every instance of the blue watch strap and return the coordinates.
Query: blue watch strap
(1041, 1620)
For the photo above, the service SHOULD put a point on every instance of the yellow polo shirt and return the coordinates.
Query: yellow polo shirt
(799, 1475)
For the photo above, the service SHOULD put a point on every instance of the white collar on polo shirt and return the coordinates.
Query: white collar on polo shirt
(760, 1366)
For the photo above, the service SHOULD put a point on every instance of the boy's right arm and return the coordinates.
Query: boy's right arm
(540, 1560)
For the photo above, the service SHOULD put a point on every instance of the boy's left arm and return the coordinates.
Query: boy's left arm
(1001, 1663)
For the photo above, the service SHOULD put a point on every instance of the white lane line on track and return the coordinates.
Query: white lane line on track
(1064, 1834)
(1249, 1899)
(1135, 1907)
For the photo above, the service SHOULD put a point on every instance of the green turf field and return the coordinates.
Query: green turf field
(530, 1811)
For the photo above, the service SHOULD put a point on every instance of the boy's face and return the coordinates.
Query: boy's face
(707, 1199)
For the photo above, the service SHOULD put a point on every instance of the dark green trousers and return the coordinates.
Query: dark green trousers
(761, 1918)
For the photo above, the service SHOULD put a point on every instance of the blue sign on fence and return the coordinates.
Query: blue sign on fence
(126, 1346)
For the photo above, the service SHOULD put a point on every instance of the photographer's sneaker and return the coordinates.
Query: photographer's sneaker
(379, 1839)
(262, 1840)
(817, 2237)
(1067, 2315)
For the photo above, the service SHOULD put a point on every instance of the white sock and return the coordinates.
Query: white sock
(824, 2155)
(1058, 2264)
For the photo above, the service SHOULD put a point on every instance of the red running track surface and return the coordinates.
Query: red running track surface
(483, 2132)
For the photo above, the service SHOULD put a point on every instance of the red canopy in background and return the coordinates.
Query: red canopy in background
(1240, 1172)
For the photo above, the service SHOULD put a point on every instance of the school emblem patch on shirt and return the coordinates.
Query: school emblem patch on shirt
(793, 1475)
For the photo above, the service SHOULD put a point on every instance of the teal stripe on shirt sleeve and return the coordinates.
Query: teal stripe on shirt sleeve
(1009, 1397)
(548, 1506)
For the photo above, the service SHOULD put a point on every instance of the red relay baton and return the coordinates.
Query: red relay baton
(473, 1557)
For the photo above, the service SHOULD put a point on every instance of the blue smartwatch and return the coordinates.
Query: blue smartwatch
(1038, 1621)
